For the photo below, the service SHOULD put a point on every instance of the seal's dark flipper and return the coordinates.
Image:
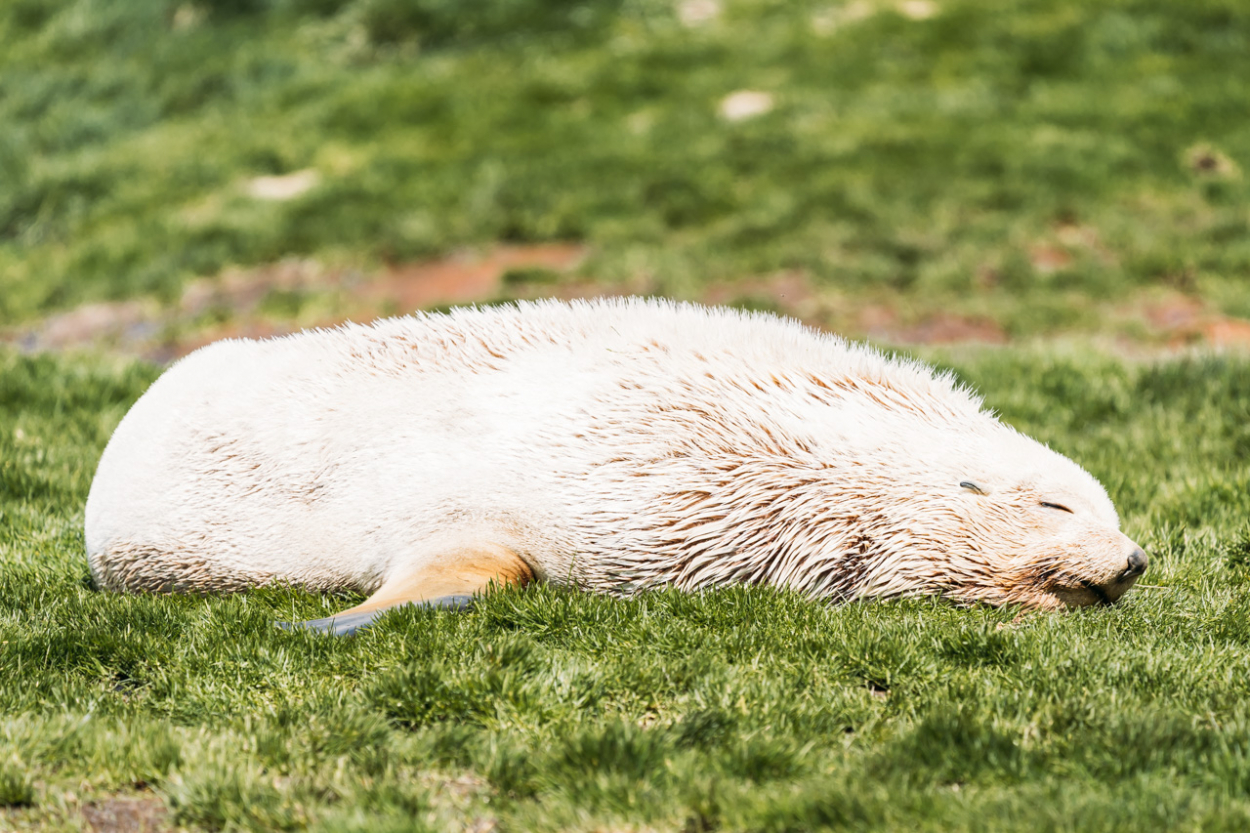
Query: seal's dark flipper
(346, 624)
(449, 580)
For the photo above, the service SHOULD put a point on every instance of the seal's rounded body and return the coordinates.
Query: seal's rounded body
(615, 446)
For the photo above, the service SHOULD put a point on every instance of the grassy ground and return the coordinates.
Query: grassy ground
(1043, 167)
(735, 710)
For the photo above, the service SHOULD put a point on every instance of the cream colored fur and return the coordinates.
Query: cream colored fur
(615, 445)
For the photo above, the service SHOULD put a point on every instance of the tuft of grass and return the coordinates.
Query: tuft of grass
(16, 789)
(1237, 550)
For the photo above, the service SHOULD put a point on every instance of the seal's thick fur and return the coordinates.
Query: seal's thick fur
(616, 445)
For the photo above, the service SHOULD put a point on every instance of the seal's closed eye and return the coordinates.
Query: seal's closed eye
(1058, 506)
(973, 487)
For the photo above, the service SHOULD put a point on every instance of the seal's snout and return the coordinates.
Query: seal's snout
(1137, 562)
(1135, 565)
(1117, 577)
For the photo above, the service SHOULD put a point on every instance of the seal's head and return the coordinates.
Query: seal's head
(760, 453)
(877, 494)
(998, 517)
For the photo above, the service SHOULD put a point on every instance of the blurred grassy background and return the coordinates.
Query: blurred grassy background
(1034, 167)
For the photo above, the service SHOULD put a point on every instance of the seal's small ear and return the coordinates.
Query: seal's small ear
(974, 487)
(448, 580)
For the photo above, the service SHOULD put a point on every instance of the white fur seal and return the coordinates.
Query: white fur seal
(612, 445)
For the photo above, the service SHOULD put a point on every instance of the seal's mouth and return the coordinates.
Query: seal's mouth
(1073, 591)
(1099, 593)
(1105, 594)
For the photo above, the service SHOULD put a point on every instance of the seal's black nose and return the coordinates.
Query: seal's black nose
(1137, 562)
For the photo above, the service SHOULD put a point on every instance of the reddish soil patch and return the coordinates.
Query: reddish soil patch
(790, 290)
(143, 814)
(168, 350)
(793, 294)
(1073, 235)
(1179, 313)
(92, 323)
(877, 320)
(1047, 259)
(244, 290)
(468, 277)
(1185, 320)
(1069, 242)
(236, 299)
(942, 328)
(459, 788)
(1227, 332)
(279, 298)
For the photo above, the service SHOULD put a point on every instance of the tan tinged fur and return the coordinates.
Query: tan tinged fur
(616, 446)
(458, 572)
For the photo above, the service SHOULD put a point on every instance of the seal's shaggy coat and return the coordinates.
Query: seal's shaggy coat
(616, 446)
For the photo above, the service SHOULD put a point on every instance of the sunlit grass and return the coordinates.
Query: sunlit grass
(742, 709)
(1048, 165)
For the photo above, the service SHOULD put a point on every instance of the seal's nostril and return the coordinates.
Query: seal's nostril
(1136, 563)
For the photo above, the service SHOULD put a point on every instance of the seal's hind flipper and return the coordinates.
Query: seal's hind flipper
(449, 580)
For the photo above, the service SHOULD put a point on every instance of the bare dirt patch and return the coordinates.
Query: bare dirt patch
(291, 295)
(466, 277)
(238, 303)
(945, 328)
(243, 290)
(124, 320)
(141, 814)
(880, 322)
(1178, 313)
(1047, 259)
(1227, 332)
(790, 293)
(461, 797)
(1183, 320)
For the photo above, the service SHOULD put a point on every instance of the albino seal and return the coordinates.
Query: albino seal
(615, 446)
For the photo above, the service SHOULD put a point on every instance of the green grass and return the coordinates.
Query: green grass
(921, 165)
(743, 709)
(921, 160)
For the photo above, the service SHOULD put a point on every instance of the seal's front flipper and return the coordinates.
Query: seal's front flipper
(449, 580)
(347, 623)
